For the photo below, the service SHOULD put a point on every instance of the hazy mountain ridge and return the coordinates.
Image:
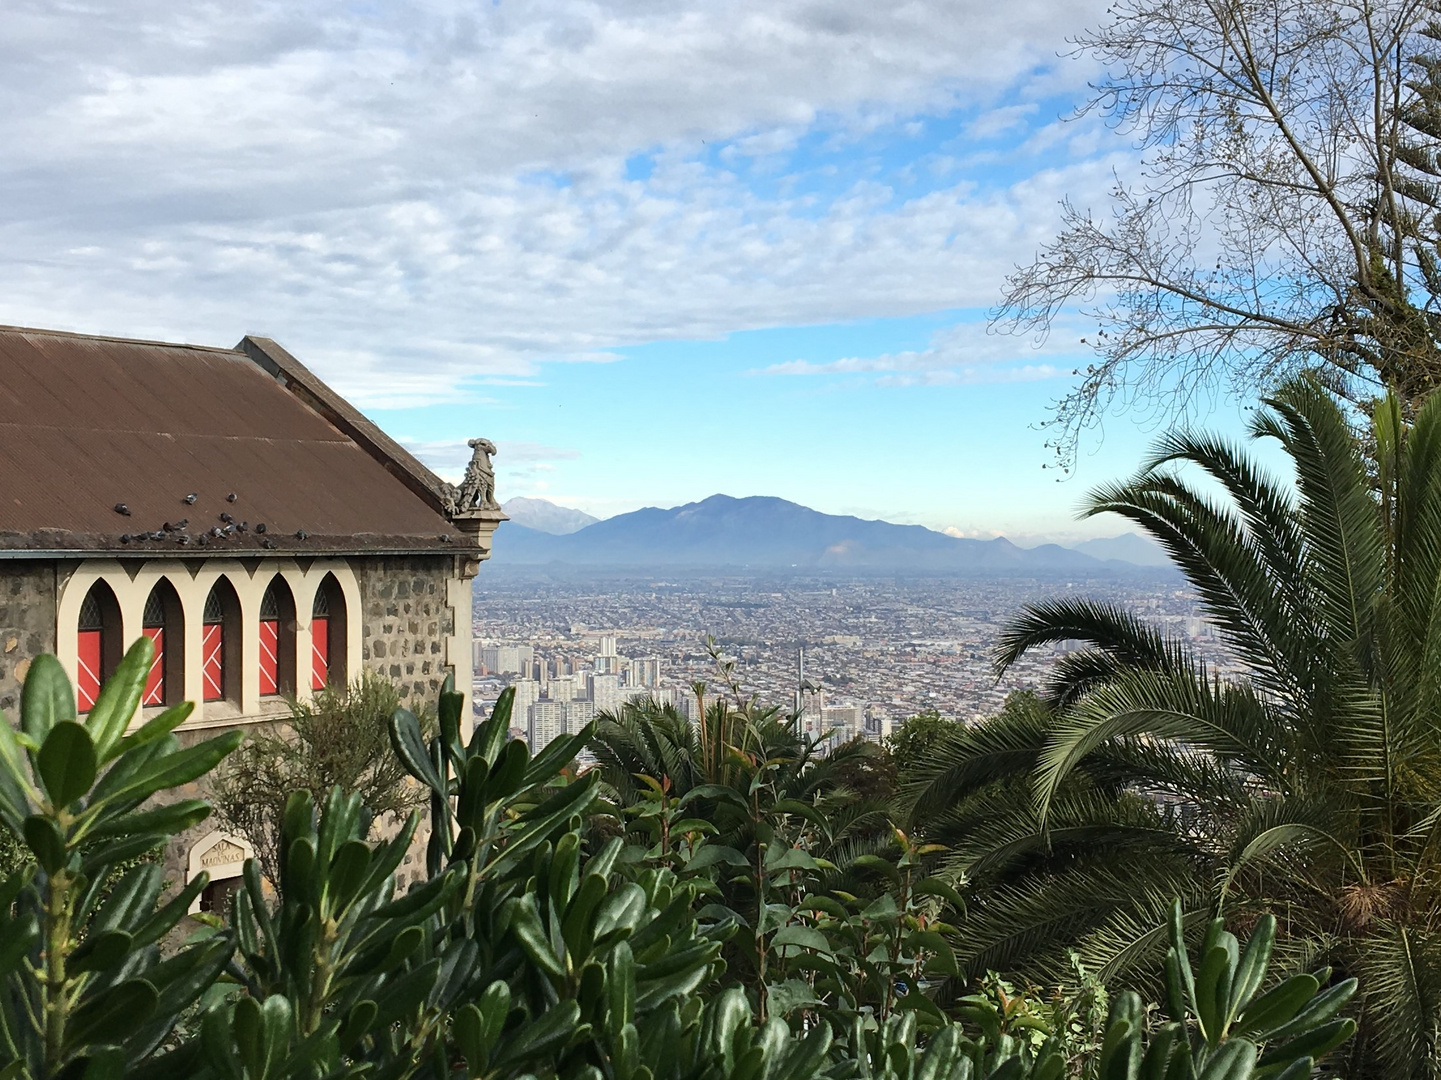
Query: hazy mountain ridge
(1128, 547)
(542, 515)
(763, 531)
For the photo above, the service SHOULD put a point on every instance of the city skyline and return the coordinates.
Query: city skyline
(877, 650)
(654, 253)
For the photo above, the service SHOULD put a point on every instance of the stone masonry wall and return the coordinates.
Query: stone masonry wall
(405, 623)
(27, 624)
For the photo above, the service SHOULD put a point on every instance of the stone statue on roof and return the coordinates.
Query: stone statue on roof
(477, 487)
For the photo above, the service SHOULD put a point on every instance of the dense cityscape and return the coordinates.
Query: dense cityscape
(861, 654)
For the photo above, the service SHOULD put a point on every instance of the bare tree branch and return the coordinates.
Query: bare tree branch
(1283, 218)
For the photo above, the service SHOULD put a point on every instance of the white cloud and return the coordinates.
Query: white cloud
(960, 355)
(515, 461)
(999, 121)
(424, 196)
(531, 453)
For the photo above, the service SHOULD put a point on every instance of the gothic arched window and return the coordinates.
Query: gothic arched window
(163, 623)
(98, 643)
(277, 639)
(327, 635)
(220, 642)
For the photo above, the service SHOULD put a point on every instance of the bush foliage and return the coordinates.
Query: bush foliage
(339, 738)
(542, 942)
(1301, 776)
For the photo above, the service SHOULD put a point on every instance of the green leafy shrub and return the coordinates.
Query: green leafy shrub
(1302, 775)
(339, 738)
(84, 987)
(525, 953)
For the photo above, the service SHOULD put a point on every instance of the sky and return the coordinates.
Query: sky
(653, 250)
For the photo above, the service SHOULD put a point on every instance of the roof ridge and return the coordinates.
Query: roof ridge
(6, 329)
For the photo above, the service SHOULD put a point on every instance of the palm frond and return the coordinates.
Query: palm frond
(1167, 770)
(1006, 746)
(1413, 672)
(1029, 926)
(1400, 971)
(1226, 720)
(1267, 508)
(1340, 520)
(995, 846)
(1111, 629)
(1306, 831)
(1209, 542)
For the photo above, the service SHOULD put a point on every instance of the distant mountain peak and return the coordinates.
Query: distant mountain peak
(1128, 547)
(542, 515)
(763, 531)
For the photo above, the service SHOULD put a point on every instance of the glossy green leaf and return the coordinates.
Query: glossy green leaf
(357, 1024)
(44, 838)
(1316, 1012)
(798, 936)
(169, 770)
(715, 855)
(878, 865)
(46, 698)
(100, 951)
(540, 1037)
(490, 736)
(17, 939)
(508, 773)
(409, 744)
(525, 924)
(1278, 1005)
(66, 762)
(939, 887)
(157, 727)
(169, 820)
(112, 1014)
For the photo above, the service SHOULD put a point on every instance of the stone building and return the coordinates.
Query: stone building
(232, 507)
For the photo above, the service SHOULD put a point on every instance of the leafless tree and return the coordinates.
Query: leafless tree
(341, 736)
(1284, 214)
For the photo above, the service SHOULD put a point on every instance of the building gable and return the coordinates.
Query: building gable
(89, 423)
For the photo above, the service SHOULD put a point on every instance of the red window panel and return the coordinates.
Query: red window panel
(270, 656)
(212, 652)
(155, 681)
(319, 652)
(87, 681)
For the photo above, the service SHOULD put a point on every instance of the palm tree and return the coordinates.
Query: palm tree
(783, 818)
(757, 753)
(1091, 875)
(1302, 775)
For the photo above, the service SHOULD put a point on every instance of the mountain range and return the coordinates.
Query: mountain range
(762, 532)
(1128, 547)
(542, 515)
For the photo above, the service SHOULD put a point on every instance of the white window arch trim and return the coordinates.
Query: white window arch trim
(132, 582)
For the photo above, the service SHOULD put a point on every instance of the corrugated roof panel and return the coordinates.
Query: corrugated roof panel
(86, 423)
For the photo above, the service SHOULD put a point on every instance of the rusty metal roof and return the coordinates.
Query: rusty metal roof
(87, 423)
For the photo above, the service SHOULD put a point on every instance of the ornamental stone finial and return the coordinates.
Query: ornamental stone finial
(477, 487)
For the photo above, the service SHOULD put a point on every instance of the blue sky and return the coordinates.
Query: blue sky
(653, 251)
(965, 457)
